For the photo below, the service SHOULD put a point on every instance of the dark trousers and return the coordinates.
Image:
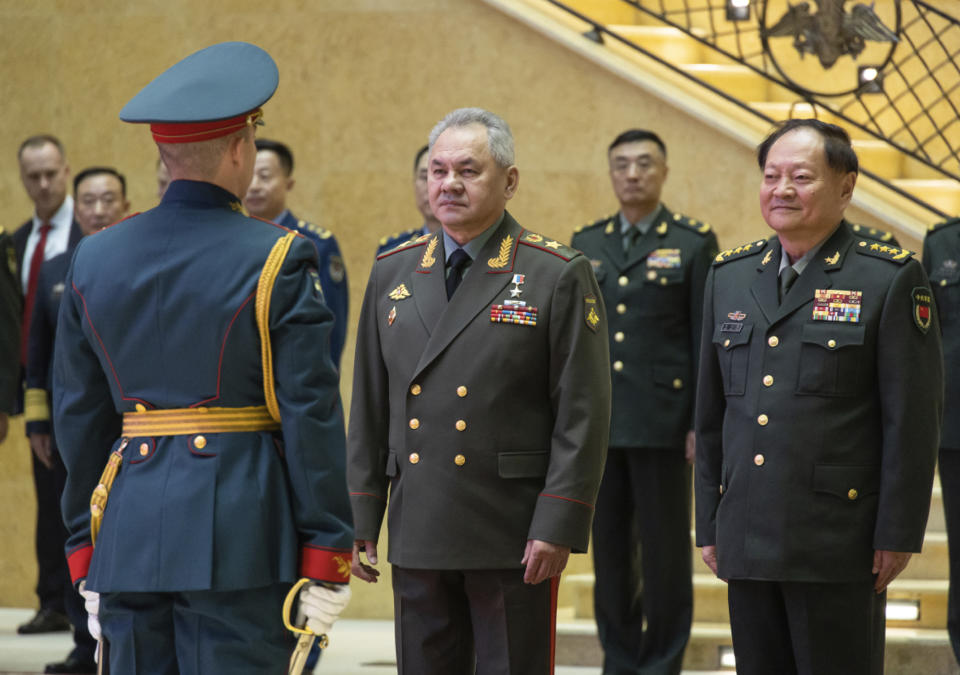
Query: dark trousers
(643, 595)
(488, 622)
(950, 482)
(797, 628)
(51, 534)
(54, 586)
(197, 632)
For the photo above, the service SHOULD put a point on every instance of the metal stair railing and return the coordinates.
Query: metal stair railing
(909, 98)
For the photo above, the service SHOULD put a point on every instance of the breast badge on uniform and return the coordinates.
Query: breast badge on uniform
(922, 316)
(336, 269)
(512, 310)
(399, 293)
(664, 259)
(735, 325)
(392, 316)
(315, 278)
(837, 305)
(590, 314)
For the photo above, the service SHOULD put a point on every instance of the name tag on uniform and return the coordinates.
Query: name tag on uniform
(836, 305)
(664, 259)
(731, 327)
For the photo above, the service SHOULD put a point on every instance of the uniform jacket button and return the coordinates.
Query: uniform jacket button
(414, 457)
(768, 380)
(621, 308)
(852, 494)
(416, 389)
(773, 340)
(414, 423)
(758, 460)
(618, 366)
(459, 460)
(763, 420)
(461, 391)
(461, 425)
(144, 449)
(623, 281)
(199, 442)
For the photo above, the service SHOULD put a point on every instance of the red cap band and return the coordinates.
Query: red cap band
(192, 132)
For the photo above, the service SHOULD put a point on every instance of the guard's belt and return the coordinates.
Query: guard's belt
(186, 421)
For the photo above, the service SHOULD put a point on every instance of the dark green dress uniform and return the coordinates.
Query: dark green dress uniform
(941, 259)
(817, 424)
(485, 419)
(641, 533)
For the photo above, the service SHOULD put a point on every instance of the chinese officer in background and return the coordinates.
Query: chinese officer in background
(941, 259)
(481, 406)
(422, 198)
(100, 198)
(195, 367)
(267, 198)
(651, 265)
(818, 418)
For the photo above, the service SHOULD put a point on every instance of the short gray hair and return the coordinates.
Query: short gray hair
(499, 136)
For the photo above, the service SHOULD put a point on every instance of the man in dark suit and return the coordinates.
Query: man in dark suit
(818, 417)
(196, 400)
(941, 260)
(51, 231)
(651, 265)
(481, 402)
(100, 198)
(267, 198)
(422, 198)
(11, 306)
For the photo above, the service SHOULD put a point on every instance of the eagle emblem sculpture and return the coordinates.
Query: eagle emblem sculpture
(831, 32)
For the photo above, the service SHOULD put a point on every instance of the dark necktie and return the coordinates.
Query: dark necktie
(36, 262)
(631, 238)
(458, 260)
(787, 277)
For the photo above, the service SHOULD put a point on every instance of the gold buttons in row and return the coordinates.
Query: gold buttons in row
(459, 460)
(416, 390)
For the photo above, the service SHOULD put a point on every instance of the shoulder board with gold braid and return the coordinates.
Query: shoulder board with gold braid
(865, 232)
(743, 251)
(538, 241)
(321, 232)
(413, 243)
(878, 250)
(596, 223)
(691, 224)
(268, 277)
(940, 226)
(403, 236)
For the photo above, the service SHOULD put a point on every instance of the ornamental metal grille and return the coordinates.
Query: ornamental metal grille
(890, 68)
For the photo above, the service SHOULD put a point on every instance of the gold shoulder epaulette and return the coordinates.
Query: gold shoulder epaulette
(534, 240)
(691, 223)
(321, 232)
(879, 250)
(608, 220)
(751, 248)
(411, 243)
(946, 223)
(871, 233)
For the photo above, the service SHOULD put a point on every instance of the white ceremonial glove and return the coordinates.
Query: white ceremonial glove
(91, 603)
(322, 604)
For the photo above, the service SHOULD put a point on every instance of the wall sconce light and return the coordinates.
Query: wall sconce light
(738, 10)
(869, 80)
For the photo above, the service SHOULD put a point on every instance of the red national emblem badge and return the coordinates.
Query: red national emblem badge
(922, 312)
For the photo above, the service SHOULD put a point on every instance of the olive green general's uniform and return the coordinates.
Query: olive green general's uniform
(486, 418)
(653, 289)
(941, 259)
(818, 419)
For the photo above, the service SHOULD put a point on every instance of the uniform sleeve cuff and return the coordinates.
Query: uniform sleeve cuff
(78, 560)
(35, 406)
(326, 564)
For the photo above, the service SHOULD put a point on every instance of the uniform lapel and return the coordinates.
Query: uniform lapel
(428, 283)
(613, 243)
(764, 287)
(639, 251)
(489, 274)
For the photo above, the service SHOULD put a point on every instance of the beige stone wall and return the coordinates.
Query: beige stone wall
(361, 84)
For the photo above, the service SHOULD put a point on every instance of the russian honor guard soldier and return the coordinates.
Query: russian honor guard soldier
(195, 367)
(818, 417)
(481, 406)
(941, 259)
(267, 198)
(422, 198)
(651, 265)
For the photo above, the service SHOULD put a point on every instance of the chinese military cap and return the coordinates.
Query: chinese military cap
(211, 93)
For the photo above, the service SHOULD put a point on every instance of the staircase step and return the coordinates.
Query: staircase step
(928, 597)
(941, 193)
(738, 81)
(670, 44)
(609, 12)
(879, 157)
(908, 651)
